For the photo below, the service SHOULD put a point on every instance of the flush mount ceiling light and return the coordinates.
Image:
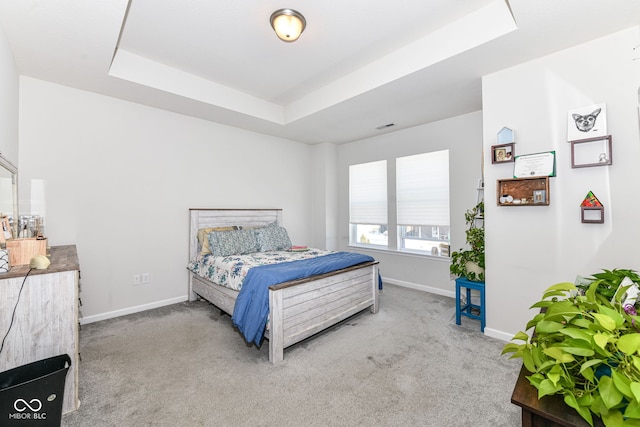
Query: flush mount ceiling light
(288, 24)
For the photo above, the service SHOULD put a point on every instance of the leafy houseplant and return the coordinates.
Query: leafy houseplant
(585, 346)
(463, 260)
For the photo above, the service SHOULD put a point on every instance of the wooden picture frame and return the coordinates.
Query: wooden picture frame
(503, 153)
(592, 214)
(590, 152)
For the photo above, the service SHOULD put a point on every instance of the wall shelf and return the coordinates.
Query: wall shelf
(523, 191)
(586, 153)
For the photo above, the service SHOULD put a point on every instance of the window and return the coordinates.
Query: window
(422, 207)
(421, 193)
(368, 204)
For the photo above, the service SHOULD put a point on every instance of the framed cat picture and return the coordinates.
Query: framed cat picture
(587, 122)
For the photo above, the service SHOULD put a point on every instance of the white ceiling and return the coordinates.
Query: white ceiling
(358, 65)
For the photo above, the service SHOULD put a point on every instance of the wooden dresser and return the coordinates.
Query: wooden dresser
(46, 317)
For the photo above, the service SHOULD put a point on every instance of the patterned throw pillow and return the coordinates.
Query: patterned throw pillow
(236, 242)
(203, 237)
(273, 238)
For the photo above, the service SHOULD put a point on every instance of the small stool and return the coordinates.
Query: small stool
(465, 310)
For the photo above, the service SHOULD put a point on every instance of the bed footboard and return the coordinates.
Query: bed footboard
(303, 308)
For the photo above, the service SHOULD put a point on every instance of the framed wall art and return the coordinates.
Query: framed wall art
(506, 135)
(587, 122)
(503, 153)
(538, 164)
(591, 210)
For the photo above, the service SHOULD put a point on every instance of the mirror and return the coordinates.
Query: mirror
(9, 195)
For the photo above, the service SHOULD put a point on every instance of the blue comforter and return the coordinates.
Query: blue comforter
(251, 310)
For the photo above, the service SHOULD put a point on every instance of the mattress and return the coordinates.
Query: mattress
(230, 271)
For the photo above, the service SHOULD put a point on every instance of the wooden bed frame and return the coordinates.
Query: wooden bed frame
(299, 308)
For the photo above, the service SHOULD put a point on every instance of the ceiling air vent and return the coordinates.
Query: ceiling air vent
(388, 125)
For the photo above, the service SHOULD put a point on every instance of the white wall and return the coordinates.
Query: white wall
(119, 178)
(531, 248)
(8, 102)
(462, 135)
(324, 188)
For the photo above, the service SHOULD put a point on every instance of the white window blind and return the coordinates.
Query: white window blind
(368, 193)
(422, 189)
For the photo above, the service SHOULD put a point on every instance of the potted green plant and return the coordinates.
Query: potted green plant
(469, 263)
(585, 345)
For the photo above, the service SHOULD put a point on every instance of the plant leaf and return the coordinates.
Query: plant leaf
(622, 383)
(564, 308)
(613, 314)
(605, 321)
(558, 354)
(601, 340)
(548, 327)
(513, 348)
(546, 387)
(613, 418)
(552, 294)
(578, 347)
(629, 343)
(537, 356)
(581, 322)
(635, 389)
(527, 360)
(541, 304)
(610, 395)
(521, 336)
(576, 333)
(562, 286)
(535, 379)
(583, 411)
(588, 373)
(632, 411)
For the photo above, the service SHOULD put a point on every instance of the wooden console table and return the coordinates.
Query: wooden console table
(550, 411)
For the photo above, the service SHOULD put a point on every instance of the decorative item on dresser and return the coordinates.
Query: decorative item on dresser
(45, 323)
(297, 308)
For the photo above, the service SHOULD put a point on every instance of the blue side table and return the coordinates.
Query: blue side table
(465, 309)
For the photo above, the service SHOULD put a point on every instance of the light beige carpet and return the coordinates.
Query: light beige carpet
(408, 365)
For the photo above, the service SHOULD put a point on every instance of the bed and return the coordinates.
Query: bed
(297, 309)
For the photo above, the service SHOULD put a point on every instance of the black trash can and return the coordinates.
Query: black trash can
(32, 394)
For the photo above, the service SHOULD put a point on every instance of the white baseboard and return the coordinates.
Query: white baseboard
(117, 313)
(438, 291)
(493, 333)
(502, 336)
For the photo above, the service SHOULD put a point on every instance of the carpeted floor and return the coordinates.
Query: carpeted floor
(408, 365)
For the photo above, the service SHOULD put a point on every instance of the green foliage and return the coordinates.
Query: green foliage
(608, 281)
(475, 240)
(586, 346)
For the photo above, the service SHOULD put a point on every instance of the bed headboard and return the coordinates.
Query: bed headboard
(205, 218)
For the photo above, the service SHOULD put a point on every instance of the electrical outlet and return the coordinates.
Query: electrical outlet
(145, 277)
(136, 279)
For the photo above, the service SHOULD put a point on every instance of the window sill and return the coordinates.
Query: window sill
(401, 253)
